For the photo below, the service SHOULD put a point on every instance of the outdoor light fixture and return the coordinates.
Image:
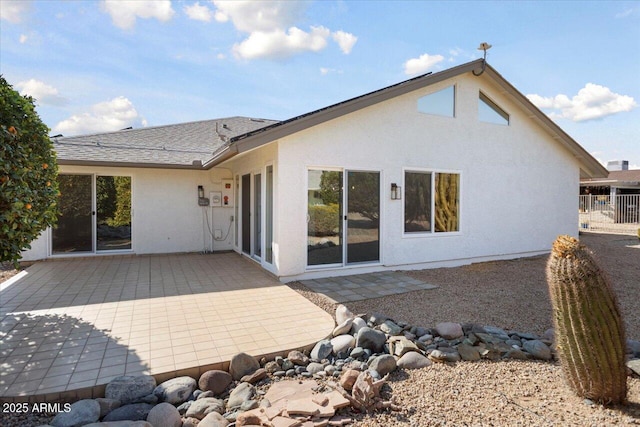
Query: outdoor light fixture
(484, 46)
(200, 191)
(396, 192)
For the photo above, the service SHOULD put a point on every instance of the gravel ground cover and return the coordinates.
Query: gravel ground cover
(511, 295)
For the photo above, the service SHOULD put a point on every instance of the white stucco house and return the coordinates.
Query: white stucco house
(443, 169)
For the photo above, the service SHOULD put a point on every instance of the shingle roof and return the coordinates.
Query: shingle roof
(177, 146)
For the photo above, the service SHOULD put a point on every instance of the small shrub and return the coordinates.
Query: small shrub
(324, 220)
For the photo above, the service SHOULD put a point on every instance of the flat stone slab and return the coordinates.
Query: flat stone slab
(365, 286)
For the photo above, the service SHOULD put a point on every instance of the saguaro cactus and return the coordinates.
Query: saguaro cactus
(589, 329)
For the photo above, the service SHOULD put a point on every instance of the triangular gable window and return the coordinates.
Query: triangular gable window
(440, 103)
(489, 112)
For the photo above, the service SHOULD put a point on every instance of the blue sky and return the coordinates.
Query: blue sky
(97, 66)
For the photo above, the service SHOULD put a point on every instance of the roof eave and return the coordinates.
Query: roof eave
(220, 156)
(271, 133)
(95, 163)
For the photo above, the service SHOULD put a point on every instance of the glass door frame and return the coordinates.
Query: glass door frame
(343, 218)
(93, 229)
(94, 220)
(254, 214)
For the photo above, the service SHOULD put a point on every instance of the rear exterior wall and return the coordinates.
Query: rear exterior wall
(518, 185)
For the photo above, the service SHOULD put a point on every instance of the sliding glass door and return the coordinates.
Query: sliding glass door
(113, 201)
(363, 216)
(343, 207)
(256, 214)
(74, 230)
(95, 214)
(324, 217)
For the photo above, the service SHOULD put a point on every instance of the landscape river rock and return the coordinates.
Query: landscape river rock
(316, 388)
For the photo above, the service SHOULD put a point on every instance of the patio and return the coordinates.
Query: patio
(69, 326)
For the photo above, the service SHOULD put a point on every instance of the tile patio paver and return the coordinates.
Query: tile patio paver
(365, 286)
(78, 323)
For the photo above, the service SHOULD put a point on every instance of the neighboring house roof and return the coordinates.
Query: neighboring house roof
(183, 145)
(205, 146)
(626, 178)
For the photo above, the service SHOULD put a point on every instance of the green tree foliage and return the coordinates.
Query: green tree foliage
(122, 215)
(331, 187)
(364, 194)
(105, 197)
(28, 172)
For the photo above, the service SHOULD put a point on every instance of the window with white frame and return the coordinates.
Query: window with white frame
(431, 202)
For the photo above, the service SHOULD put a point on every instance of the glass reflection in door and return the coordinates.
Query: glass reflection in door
(324, 217)
(113, 203)
(363, 216)
(74, 230)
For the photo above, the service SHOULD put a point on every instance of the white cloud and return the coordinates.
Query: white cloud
(41, 92)
(108, 116)
(278, 44)
(249, 16)
(198, 12)
(14, 11)
(345, 41)
(324, 71)
(421, 64)
(623, 14)
(23, 38)
(125, 12)
(592, 102)
(272, 29)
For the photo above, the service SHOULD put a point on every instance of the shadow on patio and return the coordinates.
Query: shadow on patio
(71, 324)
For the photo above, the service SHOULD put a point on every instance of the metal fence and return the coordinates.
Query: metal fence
(610, 214)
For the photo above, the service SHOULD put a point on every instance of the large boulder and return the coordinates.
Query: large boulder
(202, 407)
(449, 330)
(341, 343)
(242, 364)
(215, 381)
(321, 350)
(357, 324)
(107, 405)
(164, 415)
(383, 364)
(129, 388)
(372, 339)
(131, 412)
(537, 349)
(242, 393)
(342, 328)
(413, 360)
(298, 358)
(81, 412)
(213, 419)
(176, 390)
(342, 314)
